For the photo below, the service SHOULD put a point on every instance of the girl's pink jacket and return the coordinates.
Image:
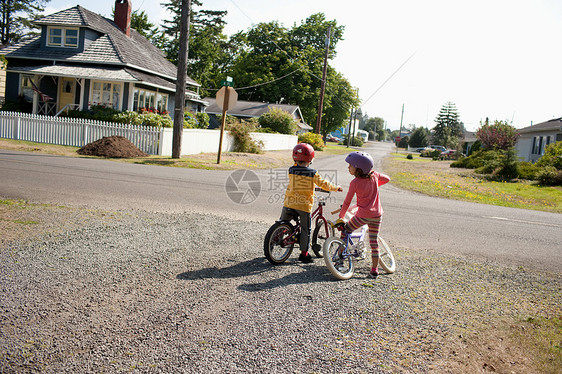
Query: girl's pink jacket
(367, 191)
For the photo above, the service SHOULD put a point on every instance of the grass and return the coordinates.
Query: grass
(437, 178)
(546, 336)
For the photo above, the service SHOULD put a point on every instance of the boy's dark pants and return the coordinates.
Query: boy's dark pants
(287, 214)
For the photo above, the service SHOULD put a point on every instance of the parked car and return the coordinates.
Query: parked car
(439, 147)
(448, 154)
(421, 149)
(332, 138)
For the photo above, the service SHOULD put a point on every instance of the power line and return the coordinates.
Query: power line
(389, 78)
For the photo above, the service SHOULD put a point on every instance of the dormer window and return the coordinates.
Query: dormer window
(62, 37)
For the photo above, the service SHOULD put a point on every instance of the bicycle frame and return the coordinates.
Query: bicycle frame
(351, 239)
(316, 216)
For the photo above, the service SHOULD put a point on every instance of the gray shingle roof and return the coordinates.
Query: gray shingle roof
(249, 108)
(113, 47)
(553, 124)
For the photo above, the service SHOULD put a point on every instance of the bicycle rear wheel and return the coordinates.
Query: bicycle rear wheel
(386, 260)
(319, 236)
(275, 246)
(341, 268)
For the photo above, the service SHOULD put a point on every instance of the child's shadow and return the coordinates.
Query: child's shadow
(313, 273)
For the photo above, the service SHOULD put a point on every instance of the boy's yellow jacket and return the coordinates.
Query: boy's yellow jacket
(300, 191)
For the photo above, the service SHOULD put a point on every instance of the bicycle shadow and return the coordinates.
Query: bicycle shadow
(241, 269)
(312, 273)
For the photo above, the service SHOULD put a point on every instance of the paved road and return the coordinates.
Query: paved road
(412, 221)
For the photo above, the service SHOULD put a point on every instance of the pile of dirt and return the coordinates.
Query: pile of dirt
(113, 147)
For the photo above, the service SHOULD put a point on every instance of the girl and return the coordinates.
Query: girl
(366, 187)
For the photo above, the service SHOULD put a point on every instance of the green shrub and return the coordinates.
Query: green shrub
(315, 140)
(552, 156)
(550, 176)
(278, 120)
(243, 141)
(528, 171)
(202, 120)
(356, 141)
(410, 156)
(156, 120)
(509, 167)
(433, 153)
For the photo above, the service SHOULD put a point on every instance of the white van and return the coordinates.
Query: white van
(363, 134)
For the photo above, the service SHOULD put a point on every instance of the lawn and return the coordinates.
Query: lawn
(437, 178)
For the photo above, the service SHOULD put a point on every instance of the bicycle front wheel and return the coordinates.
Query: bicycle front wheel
(277, 245)
(320, 235)
(340, 267)
(386, 260)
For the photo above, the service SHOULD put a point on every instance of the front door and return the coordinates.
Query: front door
(67, 89)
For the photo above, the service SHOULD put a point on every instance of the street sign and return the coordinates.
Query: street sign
(230, 102)
(227, 84)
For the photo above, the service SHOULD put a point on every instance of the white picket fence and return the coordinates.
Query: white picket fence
(75, 132)
(78, 132)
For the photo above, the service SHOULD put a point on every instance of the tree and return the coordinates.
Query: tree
(419, 138)
(17, 18)
(448, 128)
(140, 22)
(285, 65)
(205, 32)
(499, 135)
(375, 125)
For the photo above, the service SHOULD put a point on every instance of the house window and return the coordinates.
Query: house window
(151, 100)
(106, 94)
(26, 88)
(62, 37)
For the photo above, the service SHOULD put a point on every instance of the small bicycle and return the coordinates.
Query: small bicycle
(341, 253)
(282, 236)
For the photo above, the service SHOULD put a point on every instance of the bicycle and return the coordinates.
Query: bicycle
(282, 236)
(341, 253)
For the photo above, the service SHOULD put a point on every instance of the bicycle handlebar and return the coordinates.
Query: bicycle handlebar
(318, 189)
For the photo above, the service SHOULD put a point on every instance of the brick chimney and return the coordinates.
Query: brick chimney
(123, 15)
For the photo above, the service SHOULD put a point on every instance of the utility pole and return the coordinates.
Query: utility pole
(349, 129)
(179, 107)
(323, 84)
(401, 118)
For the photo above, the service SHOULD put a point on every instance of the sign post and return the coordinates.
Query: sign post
(226, 99)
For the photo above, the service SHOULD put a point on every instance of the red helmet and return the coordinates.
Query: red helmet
(303, 152)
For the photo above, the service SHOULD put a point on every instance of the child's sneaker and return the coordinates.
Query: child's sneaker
(305, 258)
(374, 273)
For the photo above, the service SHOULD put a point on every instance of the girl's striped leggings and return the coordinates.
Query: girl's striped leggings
(374, 226)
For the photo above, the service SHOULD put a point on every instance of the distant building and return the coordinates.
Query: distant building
(533, 139)
(252, 109)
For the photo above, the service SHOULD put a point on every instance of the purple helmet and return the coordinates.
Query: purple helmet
(360, 160)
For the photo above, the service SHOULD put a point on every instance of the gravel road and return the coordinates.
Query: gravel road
(87, 291)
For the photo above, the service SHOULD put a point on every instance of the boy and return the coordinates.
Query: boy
(299, 197)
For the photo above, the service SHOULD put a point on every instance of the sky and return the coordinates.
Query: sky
(496, 59)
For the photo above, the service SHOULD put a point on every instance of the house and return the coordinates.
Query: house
(82, 59)
(533, 139)
(252, 109)
(467, 140)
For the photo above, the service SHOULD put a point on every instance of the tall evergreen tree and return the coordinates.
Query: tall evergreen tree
(448, 128)
(17, 17)
(206, 30)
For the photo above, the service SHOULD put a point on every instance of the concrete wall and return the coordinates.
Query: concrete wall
(196, 141)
